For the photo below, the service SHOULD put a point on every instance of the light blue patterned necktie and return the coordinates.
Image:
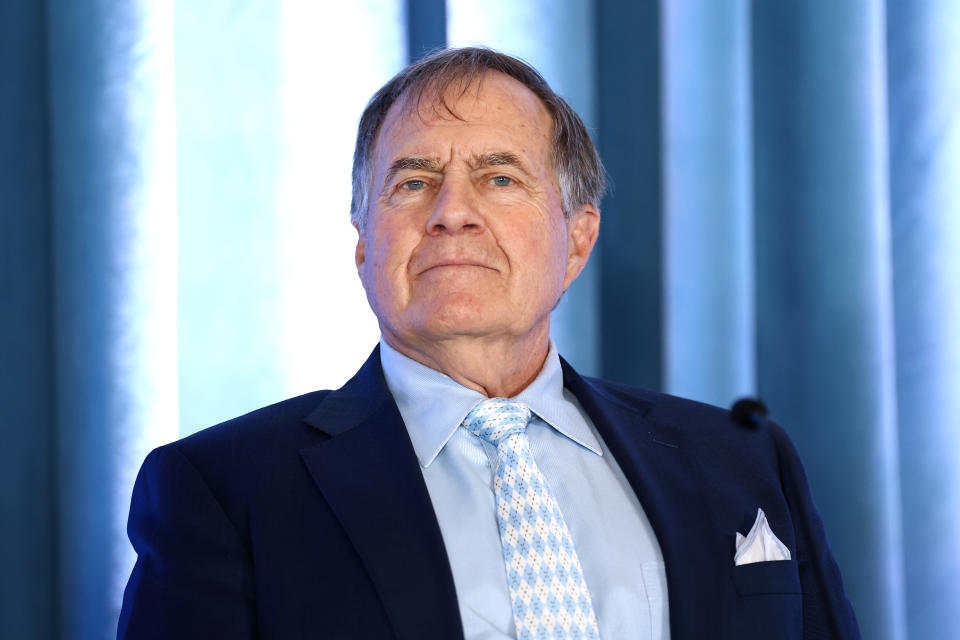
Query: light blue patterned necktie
(549, 595)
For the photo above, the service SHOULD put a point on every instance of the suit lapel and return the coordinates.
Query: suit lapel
(369, 475)
(669, 486)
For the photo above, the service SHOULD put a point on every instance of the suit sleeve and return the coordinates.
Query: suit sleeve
(193, 575)
(827, 612)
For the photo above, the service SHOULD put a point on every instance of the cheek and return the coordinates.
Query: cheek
(543, 257)
(382, 246)
(387, 259)
(555, 242)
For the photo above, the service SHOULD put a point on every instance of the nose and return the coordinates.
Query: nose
(456, 209)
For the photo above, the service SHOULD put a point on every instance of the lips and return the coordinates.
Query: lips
(429, 259)
(453, 263)
(436, 268)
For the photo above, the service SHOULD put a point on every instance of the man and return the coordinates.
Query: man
(467, 482)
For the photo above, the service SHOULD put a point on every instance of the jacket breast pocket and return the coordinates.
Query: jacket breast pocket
(761, 578)
(770, 603)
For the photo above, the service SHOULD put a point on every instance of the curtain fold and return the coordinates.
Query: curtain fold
(113, 213)
(923, 73)
(426, 22)
(28, 582)
(628, 135)
(708, 315)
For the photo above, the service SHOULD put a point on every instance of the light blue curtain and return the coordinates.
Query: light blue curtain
(783, 223)
(229, 160)
(923, 76)
(707, 156)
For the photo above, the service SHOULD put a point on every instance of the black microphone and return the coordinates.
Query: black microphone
(750, 412)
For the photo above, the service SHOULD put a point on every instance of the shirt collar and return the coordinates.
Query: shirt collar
(433, 404)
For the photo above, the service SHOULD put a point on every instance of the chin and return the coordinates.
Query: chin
(457, 319)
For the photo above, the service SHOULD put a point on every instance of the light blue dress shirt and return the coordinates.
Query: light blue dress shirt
(618, 550)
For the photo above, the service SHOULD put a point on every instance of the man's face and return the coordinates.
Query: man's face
(465, 236)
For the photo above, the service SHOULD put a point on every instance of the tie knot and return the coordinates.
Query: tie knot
(497, 418)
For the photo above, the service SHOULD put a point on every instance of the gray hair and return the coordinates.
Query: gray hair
(576, 162)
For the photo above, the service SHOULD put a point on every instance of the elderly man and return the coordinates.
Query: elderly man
(467, 482)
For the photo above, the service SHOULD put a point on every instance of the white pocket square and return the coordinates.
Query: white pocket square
(760, 545)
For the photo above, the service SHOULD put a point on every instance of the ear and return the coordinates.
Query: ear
(582, 230)
(360, 256)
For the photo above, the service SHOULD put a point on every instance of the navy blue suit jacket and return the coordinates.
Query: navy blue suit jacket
(310, 519)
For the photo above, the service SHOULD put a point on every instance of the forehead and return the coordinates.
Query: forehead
(494, 109)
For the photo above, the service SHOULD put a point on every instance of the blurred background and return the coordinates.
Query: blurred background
(176, 248)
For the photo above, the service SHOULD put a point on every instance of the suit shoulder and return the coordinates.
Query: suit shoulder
(245, 446)
(266, 423)
(662, 405)
(233, 459)
(706, 425)
(723, 446)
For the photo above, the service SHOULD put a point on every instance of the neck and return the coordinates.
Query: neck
(497, 368)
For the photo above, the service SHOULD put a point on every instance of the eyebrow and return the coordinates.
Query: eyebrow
(410, 163)
(497, 159)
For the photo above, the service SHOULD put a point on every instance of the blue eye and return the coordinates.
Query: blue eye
(414, 185)
(502, 181)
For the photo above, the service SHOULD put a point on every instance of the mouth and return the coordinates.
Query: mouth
(456, 265)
